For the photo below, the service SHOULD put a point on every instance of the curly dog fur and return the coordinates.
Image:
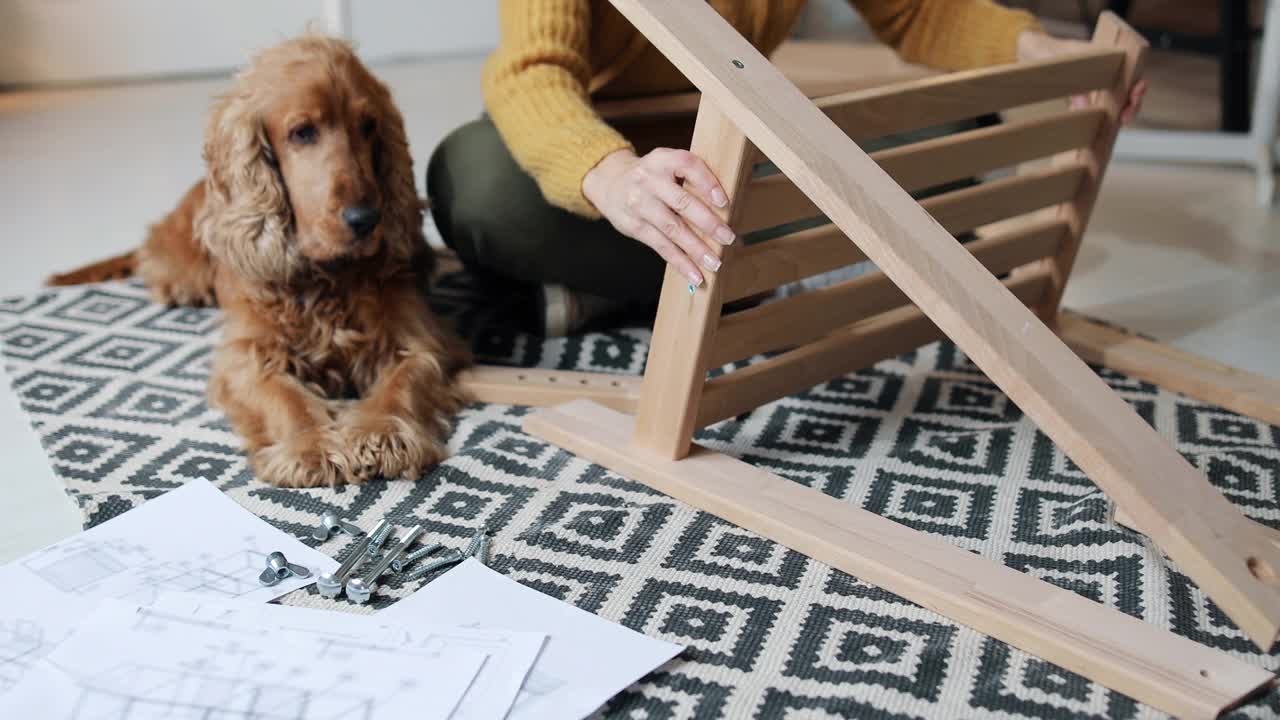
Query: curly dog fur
(332, 368)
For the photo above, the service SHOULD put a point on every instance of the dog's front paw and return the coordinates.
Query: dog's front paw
(310, 459)
(391, 446)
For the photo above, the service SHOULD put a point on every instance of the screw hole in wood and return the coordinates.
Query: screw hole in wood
(1262, 570)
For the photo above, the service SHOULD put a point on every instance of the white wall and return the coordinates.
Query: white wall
(71, 41)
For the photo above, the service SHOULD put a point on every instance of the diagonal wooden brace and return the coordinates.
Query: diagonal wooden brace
(1228, 557)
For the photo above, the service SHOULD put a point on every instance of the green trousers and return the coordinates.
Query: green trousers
(492, 214)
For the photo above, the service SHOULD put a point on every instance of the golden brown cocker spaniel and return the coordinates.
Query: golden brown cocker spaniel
(307, 230)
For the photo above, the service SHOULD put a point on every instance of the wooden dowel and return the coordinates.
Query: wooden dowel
(796, 320)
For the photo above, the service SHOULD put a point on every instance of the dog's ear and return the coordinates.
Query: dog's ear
(246, 220)
(402, 208)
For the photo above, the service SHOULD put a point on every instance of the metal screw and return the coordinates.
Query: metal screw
(482, 550)
(475, 542)
(378, 537)
(738, 64)
(360, 589)
(330, 584)
(279, 568)
(404, 561)
(330, 523)
(452, 556)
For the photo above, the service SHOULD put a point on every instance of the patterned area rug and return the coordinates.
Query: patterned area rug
(115, 388)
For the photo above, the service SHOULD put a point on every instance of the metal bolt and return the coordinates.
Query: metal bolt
(452, 556)
(379, 537)
(330, 523)
(360, 589)
(404, 561)
(330, 584)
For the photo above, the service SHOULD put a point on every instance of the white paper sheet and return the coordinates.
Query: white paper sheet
(511, 654)
(127, 662)
(586, 659)
(192, 539)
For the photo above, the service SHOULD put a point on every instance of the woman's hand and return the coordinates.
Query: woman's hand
(1035, 45)
(648, 199)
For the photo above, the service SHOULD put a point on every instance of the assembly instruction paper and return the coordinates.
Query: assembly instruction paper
(127, 661)
(585, 662)
(193, 539)
(510, 654)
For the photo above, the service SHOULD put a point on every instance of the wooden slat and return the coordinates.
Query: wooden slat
(868, 114)
(543, 388)
(1205, 535)
(1171, 368)
(1172, 673)
(931, 163)
(968, 208)
(852, 348)
(818, 68)
(767, 265)
(686, 322)
(796, 320)
(775, 200)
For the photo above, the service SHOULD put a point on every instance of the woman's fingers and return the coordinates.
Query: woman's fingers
(693, 210)
(686, 166)
(1135, 102)
(664, 218)
(668, 251)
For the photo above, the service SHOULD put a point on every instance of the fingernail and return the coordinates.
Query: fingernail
(711, 262)
(724, 235)
(695, 279)
(718, 197)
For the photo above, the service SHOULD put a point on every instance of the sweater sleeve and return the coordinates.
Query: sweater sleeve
(948, 34)
(535, 90)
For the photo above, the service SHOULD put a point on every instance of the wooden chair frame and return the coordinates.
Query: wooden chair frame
(928, 285)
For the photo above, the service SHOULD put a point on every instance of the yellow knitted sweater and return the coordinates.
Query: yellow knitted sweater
(554, 56)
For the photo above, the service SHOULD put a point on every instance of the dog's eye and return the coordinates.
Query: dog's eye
(304, 134)
(367, 126)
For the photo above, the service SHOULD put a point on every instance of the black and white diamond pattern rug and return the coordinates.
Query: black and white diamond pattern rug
(114, 386)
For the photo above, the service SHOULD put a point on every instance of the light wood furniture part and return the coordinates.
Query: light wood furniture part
(928, 285)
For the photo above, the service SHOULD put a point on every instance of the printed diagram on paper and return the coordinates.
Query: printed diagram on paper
(509, 655)
(22, 643)
(128, 572)
(166, 666)
(224, 684)
(193, 539)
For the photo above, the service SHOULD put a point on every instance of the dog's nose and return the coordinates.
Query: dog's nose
(362, 220)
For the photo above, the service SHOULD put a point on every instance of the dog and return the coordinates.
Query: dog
(307, 231)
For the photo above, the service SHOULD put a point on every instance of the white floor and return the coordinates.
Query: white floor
(1181, 254)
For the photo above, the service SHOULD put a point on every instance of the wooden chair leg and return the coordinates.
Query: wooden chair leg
(1109, 32)
(685, 326)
